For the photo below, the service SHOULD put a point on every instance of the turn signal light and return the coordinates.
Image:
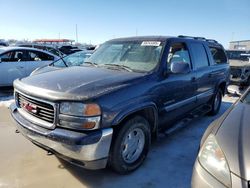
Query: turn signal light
(92, 110)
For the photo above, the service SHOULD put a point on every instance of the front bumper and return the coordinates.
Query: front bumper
(202, 178)
(89, 149)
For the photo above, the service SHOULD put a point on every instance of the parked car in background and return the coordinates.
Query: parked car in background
(240, 67)
(75, 59)
(19, 62)
(108, 110)
(224, 157)
(69, 49)
(3, 44)
(51, 49)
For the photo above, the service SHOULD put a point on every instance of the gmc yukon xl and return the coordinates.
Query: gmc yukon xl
(107, 111)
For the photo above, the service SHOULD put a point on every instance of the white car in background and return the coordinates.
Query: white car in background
(19, 62)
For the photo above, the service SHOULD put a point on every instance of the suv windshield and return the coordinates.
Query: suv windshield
(138, 56)
(238, 55)
(75, 59)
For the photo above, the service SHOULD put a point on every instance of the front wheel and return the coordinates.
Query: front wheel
(131, 145)
(216, 102)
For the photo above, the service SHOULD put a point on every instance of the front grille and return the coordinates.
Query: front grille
(236, 72)
(36, 108)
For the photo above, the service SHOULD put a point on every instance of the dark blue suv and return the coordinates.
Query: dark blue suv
(108, 110)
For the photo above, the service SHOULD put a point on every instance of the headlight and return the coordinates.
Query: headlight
(79, 109)
(213, 160)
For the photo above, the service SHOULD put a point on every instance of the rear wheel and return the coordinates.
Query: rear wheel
(131, 145)
(216, 102)
(248, 82)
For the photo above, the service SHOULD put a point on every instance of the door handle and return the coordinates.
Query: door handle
(193, 79)
(213, 74)
(20, 67)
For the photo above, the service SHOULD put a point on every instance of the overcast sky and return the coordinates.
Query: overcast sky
(98, 21)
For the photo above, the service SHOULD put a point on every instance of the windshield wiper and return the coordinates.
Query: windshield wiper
(64, 62)
(53, 63)
(90, 63)
(119, 66)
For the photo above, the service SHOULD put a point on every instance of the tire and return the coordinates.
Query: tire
(124, 156)
(248, 82)
(216, 103)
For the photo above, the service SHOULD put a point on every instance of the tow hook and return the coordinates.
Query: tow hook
(17, 131)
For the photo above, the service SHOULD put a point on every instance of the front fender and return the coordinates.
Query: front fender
(135, 108)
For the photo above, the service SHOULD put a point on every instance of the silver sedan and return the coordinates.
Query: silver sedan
(19, 62)
(224, 156)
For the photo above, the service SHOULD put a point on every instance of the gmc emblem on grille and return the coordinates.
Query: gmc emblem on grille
(29, 107)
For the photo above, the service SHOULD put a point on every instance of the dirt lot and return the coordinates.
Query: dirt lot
(169, 163)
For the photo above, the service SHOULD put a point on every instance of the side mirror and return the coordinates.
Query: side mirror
(180, 67)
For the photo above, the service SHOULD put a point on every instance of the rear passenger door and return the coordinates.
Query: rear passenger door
(205, 84)
(220, 71)
(37, 59)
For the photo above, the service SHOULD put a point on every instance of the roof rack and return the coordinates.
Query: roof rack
(198, 38)
(211, 40)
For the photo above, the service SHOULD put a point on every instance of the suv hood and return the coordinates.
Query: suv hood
(75, 83)
(44, 69)
(239, 63)
(233, 138)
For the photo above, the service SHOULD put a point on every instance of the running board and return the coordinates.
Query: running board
(198, 112)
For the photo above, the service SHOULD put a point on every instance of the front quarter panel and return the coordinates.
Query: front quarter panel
(120, 103)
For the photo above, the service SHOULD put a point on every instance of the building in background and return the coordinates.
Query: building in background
(240, 45)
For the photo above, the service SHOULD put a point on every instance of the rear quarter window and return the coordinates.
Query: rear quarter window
(218, 55)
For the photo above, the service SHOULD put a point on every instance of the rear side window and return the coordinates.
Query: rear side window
(39, 56)
(219, 55)
(200, 55)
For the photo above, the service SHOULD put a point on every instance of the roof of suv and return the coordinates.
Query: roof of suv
(164, 38)
(161, 38)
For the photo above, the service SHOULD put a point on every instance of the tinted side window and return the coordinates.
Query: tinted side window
(200, 55)
(39, 56)
(20, 56)
(219, 55)
(7, 57)
(178, 52)
(14, 56)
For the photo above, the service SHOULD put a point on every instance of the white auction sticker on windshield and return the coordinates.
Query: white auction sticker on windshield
(151, 43)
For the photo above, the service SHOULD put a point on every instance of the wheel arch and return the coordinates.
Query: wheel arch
(148, 110)
(223, 86)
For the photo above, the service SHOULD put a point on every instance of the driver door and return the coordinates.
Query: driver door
(178, 89)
